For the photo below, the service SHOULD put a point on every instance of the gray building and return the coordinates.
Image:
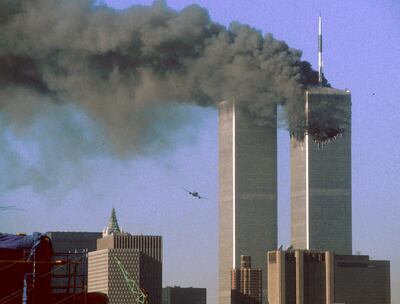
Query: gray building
(71, 247)
(184, 295)
(64, 241)
(321, 179)
(247, 193)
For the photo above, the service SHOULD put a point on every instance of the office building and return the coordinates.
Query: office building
(149, 244)
(316, 277)
(321, 178)
(71, 247)
(247, 192)
(106, 277)
(65, 241)
(182, 295)
(246, 283)
(141, 255)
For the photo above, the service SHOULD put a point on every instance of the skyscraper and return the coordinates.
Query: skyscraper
(246, 283)
(247, 193)
(105, 276)
(321, 180)
(141, 255)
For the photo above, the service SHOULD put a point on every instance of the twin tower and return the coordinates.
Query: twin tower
(320, 189)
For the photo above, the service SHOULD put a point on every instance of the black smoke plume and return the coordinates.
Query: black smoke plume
(123, 67)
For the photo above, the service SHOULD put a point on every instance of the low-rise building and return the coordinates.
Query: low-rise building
(246, 283)
(314, 277)
(184, 295)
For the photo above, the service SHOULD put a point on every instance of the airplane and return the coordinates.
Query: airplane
(194, 193)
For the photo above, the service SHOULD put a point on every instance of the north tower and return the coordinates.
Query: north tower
(321, 178)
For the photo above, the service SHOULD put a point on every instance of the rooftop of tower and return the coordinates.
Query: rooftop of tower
(326, 90)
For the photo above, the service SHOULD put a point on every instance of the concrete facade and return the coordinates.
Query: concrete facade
(246, 283)
(150, 261)
(321, 179)
(105, 276)
(310, 277)
(180, 295)
(247, 193)
(151, 245)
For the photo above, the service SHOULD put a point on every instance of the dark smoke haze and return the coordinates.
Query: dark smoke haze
(123, 67)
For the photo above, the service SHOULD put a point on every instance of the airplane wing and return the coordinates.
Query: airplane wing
(187, 190)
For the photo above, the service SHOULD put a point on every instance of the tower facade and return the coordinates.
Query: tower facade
(147, 260)
(105, 276)
(321, 180)
(247, 193)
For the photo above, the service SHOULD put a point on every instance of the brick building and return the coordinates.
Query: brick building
(246, 283)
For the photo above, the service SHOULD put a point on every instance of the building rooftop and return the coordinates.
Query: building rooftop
(326, 90)
(112, 227)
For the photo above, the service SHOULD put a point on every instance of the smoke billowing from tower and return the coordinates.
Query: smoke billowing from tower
(124, 67)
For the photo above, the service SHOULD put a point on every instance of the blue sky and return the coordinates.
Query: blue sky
(60, 170)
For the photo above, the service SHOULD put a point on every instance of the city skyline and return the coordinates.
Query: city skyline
(141, 186)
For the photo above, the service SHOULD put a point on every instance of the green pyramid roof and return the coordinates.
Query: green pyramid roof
(113, 227)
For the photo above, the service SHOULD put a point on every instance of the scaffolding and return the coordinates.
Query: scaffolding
(32, 273)
(60, 278)
(71, 276)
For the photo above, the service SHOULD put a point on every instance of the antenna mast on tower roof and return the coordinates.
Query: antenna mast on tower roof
(320, 62)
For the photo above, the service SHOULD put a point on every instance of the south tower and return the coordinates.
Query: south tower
(247, 193)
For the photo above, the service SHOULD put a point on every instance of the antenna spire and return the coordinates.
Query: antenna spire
(320, 62)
